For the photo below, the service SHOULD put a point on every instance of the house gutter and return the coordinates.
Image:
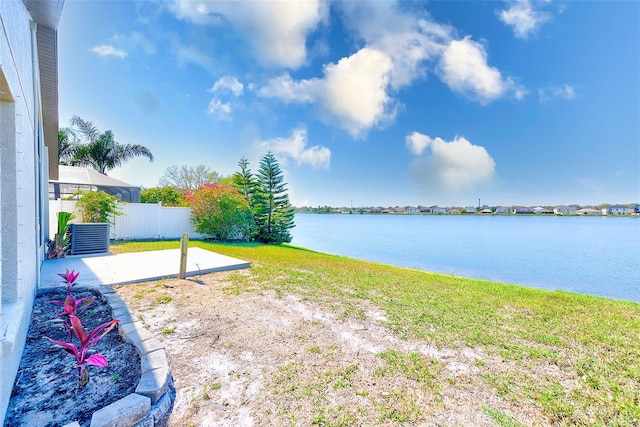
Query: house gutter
(37, 158)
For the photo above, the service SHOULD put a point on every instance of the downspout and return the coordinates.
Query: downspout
(37, 160)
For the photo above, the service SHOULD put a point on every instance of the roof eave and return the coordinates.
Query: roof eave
(46, 14)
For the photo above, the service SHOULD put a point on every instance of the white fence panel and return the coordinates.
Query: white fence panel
(151, 221)
(138, 220)
(56, 206)
(174, 222)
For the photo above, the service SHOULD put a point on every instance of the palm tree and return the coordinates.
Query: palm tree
(101, 151)
(68, 145)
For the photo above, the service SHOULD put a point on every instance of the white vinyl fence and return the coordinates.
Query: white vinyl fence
(139, 220)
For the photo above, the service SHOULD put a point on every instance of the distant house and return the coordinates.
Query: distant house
(438, 210)
(398, 209)
(470, 209)
(542, 211)
(616, 210)
(72, 179)
(588, 211)
(522, 210)
(453, 211)
(486, 211)
(411, 210)
(424, 209)
(564, 210)
(503, 210)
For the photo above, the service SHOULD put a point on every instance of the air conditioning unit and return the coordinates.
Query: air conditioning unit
(89, 238)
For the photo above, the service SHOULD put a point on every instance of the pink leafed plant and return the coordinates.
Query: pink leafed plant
(69, 278)
(82, 354)
(73, 307)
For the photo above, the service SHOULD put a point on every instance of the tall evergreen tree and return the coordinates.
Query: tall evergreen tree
(244, 181)
(272, 211)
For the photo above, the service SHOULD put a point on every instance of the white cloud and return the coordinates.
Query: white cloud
(409, 40)
(134, 42)
(228, 84)
(277, 31)
(523, 18)
(121, 46)
(106, 50)
(353, 92)
(463, 67)
(224, 87)
(219, 110)
(450, 166)
(417, 142)
(357, 92)
(288, 90)
(410, 49)
(519, 91)
(562, 92)
(295, 148)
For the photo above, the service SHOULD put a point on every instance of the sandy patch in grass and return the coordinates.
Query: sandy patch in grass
(257, 359)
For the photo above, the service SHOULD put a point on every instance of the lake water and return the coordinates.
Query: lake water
(590, 255)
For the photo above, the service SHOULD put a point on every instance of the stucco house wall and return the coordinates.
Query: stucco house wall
(24, 171)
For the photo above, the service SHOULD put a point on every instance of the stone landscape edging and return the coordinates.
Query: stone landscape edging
(152, 401)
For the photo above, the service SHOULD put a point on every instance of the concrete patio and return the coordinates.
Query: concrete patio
(109, 269)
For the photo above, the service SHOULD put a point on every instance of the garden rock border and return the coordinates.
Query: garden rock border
(153, 399)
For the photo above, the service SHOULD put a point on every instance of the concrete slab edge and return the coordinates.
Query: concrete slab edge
(189, 273)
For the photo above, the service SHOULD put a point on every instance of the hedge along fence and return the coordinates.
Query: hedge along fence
(138, 220)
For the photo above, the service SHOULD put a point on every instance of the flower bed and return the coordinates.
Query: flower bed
(136, 384)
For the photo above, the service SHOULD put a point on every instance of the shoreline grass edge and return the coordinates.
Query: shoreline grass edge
(575, 357)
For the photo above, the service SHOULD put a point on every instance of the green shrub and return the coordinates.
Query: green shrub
(61, 243)
(97, 206)
(167, 195)
(221, 212)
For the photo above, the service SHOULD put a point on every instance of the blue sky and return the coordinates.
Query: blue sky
(374, 103)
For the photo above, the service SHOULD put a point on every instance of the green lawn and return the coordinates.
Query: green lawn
(574, 357)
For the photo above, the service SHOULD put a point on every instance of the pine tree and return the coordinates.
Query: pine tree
(272, 211)
(244, 181)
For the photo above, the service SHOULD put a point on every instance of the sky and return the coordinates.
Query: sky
(369, 103)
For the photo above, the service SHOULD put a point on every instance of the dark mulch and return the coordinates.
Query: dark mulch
(46, 391)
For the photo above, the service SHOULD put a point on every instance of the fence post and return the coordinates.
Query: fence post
(159, 231)
(184, 245)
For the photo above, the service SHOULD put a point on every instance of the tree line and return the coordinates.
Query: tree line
(245, 206)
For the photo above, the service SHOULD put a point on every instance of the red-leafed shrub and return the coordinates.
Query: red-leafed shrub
(220, 212)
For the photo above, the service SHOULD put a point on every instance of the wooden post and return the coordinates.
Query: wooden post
(184, 246)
